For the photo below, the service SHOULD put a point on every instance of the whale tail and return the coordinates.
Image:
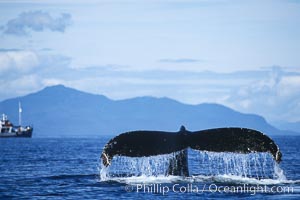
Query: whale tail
(236, 140)
(151, 143)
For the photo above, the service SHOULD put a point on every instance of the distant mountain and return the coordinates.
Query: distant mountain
(59, 111)
(292, 126)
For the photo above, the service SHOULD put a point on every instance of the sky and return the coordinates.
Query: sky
(242, 54)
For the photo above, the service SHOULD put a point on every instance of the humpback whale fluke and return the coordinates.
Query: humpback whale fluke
(151, 143)
(236, 140)
(142, 143)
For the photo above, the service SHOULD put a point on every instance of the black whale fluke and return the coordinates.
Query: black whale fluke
(151, 143)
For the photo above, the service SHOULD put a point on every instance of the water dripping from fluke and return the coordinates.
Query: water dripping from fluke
(252, 168)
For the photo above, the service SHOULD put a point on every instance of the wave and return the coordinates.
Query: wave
(71, 176)
(228, 179)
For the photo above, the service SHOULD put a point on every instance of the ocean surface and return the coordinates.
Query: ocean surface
(70, 168)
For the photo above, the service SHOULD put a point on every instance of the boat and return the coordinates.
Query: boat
(7, 129)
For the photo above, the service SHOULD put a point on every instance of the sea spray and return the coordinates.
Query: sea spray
(254, 165)
(103, 173)
(278, 172)
(123, 166)
(203, 163)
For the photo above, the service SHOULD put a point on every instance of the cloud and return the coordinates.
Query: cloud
(17, 62)
(276, 97)
(36, 21)
(25, 71)
(180, 60)
(10, 49)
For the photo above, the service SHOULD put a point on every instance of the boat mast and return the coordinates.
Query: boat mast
(20, 114)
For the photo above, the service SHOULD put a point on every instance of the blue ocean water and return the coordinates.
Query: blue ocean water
(70, 168)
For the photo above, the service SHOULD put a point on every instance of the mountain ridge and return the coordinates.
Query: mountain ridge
(58, 111)
(290, 126)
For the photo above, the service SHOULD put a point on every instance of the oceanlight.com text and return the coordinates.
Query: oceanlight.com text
(208, 188)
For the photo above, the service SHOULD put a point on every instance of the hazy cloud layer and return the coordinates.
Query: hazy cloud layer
(276, 96)
(179, 60)
(20, 62)
(17, 61)
(36, 21)
(25, 71)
